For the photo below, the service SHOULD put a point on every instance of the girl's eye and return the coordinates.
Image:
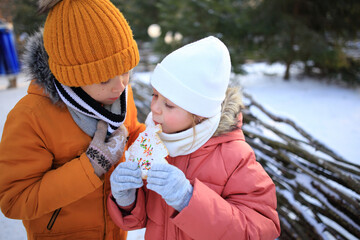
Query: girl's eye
(154, 95)
(168, 106)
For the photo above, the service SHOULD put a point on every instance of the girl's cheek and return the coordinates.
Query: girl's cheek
(171, 121)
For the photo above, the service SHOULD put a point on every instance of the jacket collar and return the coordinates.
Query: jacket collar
(214, 142)
(235, 135)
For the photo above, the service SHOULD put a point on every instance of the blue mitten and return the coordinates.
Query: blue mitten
(124, 181)
(171, 183)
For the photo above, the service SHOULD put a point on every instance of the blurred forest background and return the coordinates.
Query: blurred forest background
(322, 36)
(318, 194)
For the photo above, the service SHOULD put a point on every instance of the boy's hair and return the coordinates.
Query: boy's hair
(88, 41)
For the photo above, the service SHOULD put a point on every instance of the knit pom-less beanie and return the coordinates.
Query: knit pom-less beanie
(195, 77)
(88, 42)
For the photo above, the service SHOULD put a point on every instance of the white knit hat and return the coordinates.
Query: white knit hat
(195, 77)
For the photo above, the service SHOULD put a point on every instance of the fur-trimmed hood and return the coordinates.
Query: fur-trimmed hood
(35, 62)
(231, 118)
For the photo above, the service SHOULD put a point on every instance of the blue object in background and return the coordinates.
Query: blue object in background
(9, 63)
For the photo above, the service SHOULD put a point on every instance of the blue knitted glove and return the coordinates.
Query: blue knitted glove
(124, 181)
(171, 183)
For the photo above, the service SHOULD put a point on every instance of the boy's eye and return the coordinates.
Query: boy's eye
(103, 83)
(154, 95)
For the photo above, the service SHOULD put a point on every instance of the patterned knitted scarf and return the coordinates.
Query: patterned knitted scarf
(77, 99)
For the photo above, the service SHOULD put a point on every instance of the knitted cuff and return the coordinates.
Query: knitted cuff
(185, 200)
(125, 200)
(98, 160)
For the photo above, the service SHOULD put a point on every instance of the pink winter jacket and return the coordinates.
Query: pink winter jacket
(233, 197)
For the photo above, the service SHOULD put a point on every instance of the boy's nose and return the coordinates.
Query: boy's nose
(119, 84)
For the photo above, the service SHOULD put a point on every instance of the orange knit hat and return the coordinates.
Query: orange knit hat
(88, 41)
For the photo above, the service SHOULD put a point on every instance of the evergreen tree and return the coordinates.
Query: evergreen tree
(140, 14)
(195, 19)
(6, 9)
(312, 31)
(26, 18)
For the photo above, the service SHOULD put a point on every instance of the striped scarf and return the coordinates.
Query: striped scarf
(77, 99)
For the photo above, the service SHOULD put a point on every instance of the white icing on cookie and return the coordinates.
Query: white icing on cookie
(146, 149)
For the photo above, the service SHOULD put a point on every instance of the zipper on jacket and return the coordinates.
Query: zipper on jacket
(53, 219)
(104, 207)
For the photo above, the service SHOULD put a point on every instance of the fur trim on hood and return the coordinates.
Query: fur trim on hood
(230, 110)
(35, 63)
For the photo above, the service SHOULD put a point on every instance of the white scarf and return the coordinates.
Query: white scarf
(183, 143)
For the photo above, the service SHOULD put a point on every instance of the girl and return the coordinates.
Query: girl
(55, 155)
(212, 188)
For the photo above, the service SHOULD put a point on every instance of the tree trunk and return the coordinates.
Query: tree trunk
(12, 82)
(287, 71)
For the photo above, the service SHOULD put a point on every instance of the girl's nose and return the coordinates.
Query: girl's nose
(154, 107)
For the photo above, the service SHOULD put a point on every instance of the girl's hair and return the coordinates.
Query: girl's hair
(195, 120)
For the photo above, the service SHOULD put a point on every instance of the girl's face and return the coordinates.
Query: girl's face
(171, 117)
(107, 92)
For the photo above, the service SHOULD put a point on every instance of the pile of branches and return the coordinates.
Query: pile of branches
(318, 191)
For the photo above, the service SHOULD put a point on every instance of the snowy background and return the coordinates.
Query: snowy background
(330, 113)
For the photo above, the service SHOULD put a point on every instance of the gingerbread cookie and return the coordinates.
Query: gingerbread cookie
(146, 149)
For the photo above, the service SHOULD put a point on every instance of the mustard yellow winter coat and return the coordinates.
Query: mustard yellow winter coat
(43, 167)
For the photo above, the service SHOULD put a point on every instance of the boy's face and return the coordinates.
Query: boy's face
(171, 117)
(107, 92)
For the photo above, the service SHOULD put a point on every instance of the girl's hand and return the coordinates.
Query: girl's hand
(171, 183)
(124, 181)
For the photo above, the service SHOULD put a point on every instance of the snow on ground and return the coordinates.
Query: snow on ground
(328, 112)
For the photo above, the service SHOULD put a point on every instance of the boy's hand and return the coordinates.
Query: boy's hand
(171, 183)
(124, 181)
(103, 154)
